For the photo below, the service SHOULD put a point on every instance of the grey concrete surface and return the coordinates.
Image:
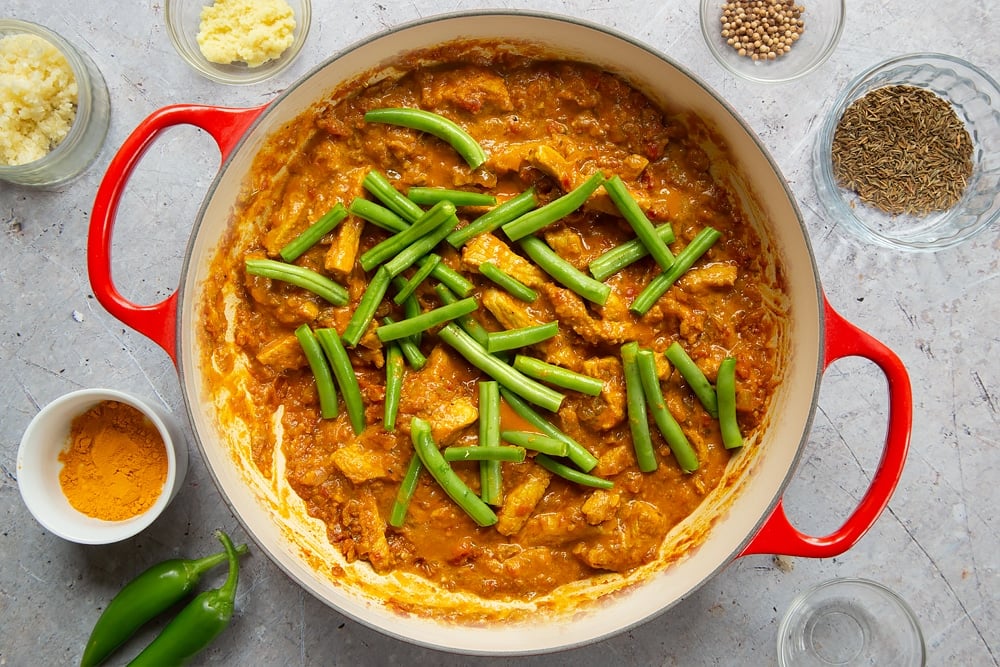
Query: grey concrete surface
(937, 544)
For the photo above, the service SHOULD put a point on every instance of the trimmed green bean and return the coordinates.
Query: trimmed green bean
(532, 221)
(299, 276)
(376, 183)
(490, 472)
(671, 431)
(409, 347)
(557, 375)
(431, 196)
(726, 388)
(396, 243)
(495, 218)
(699, 384)
(510, 339)
(411, 307)
(422, 246)
(451, 279)
(620, 256)
(313, 233)
(476, 354)
(328, 407)
(424, 321)
(469, 324)
(378, 215)
(432, 123)
(705, 239)
(638, 419)
(346, 378)
(410, 286)
(635, 217)
(433, 460)
(536, 442)
(484, 454)
(365, 311)
(511, 284)
(394, 372)
(572, 474)
(576, 453)
(563, 272)
(397, 516)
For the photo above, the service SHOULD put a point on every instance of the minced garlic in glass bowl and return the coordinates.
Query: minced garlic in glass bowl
(54, 106)
(238, 41)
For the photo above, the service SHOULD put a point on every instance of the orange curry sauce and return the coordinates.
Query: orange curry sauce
(546, 125)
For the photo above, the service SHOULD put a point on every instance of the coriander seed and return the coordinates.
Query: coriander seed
(762, 29)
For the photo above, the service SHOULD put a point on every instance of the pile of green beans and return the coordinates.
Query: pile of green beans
(644, 396)
(408, 261)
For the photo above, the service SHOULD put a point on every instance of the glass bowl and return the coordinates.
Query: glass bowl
(824, 23)
(848, 622)
(81, 146)
(39, 467)
(183, 18)
(975, 98)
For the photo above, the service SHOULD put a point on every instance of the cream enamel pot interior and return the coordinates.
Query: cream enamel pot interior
(747, 517)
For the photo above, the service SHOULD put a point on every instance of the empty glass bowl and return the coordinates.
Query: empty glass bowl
(183, 18)
(848, 623)
(824, 23)
(975, 98)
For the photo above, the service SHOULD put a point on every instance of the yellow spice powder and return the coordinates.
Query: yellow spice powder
(38, 96)
(249, 31)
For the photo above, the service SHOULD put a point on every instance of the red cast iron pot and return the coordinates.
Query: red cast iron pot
(745, 518)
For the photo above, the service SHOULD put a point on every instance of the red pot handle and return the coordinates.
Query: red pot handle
(778, 535)
(157, 321)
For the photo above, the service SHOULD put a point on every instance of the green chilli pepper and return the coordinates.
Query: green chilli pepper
(142, 599)
(197, 624)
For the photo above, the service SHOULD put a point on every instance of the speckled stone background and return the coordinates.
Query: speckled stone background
(937, 545)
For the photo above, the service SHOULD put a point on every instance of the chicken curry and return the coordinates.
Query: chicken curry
(546, 127)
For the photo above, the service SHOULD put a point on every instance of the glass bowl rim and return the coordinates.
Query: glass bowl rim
(821, 57)
(213, 71)
(830, 193)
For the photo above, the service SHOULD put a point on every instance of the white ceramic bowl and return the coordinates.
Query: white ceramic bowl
(183, 18)
(38, 468)
(824, 23)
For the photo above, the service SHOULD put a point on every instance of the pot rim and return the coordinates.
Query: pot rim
(264, 117)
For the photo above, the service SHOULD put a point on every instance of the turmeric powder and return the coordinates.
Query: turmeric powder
(116, 463)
